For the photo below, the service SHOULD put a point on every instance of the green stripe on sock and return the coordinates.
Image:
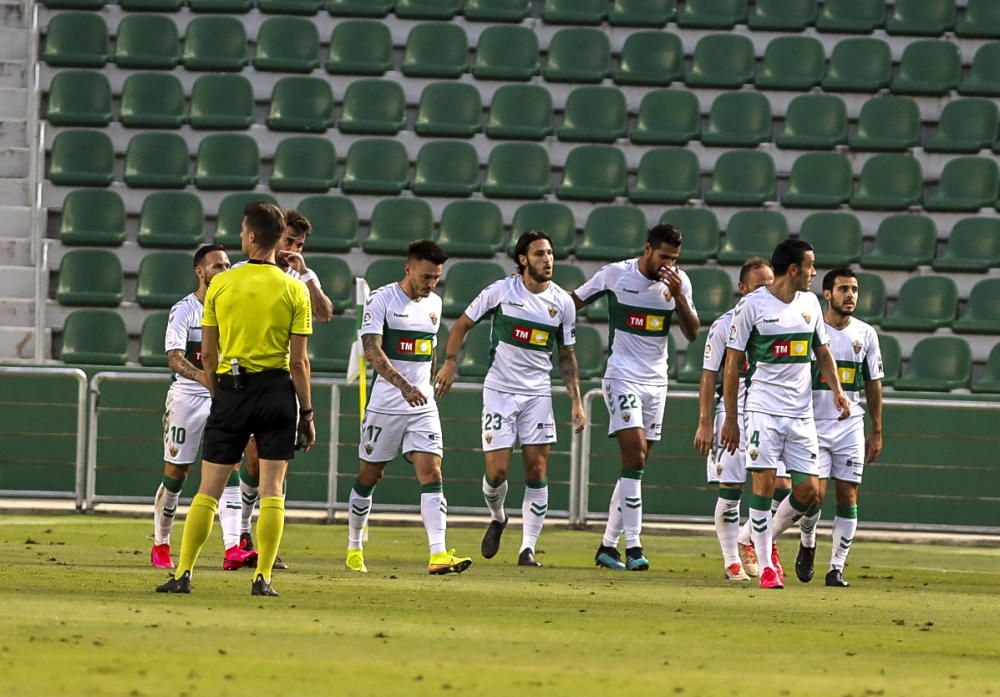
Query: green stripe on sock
(730, 494)
(847, 511)
(797, 505)
(362, 490)
(432, 488)
(632, 474)
(493, 484)
(781, 494)
(234, 479)
(540, 484)
(245, 476)
(172, 485)
(760, 503)
(812, 511)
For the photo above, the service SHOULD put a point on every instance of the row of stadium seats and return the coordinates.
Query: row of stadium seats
(521, 170)
(519, 112)
(917, 17)
(475, 228)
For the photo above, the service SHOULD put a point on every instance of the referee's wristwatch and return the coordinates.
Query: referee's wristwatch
(306, 414)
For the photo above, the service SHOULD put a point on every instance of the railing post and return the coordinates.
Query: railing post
(334, 455)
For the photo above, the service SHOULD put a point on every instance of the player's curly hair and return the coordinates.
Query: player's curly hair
(298, 222)
(523, 242)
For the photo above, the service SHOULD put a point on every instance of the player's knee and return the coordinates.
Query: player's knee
(534, 472)
(178, 472)
(370, 475)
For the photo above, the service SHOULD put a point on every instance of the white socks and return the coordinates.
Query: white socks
(845, 526)
(788, 513)
(434, 512)
(359, 506)
(807, 528)
(164, 506)
(495, 497)
(727, 524)
(533, 510)
(760, 530)
(615, 527)
(230, 513)
(249, 494)
(630, 489)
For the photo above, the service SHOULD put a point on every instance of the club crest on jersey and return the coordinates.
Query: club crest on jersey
(784, 349)
(626, 416)
(807, 317)
(434, 318)
(416, 347)
(857, 346)
(667, 295)
(369, 449)
(754, 454)
(174, 450)
(488, 438)
(527, 335)
(553, 311)
(649, 323)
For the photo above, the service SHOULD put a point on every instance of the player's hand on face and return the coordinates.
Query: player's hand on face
(307, 434)
(413, 396)
(444, 379)
(873, 447)
(730, 435)
(294, 260)
(840, 400)
(703, 439)
(579, 417)
(672, 277)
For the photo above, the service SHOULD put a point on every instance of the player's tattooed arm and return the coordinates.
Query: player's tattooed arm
(569, 370)
(379, 362)
(322, 306)
(183, 367)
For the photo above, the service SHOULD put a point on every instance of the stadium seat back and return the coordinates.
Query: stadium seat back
(819, 180)
(921, 17)
(738, 119)
(938, 363)
(436, 50)
(517, 170)
(594, 173)
(713, 292)
(642, 13)
(376, 166)
(667, 175)
(965, 126)
(147, 42)
(743, 178)
(76, 39)
(449, 109)
(555, 219)
(712, 14)
(334, 223)
(94, 217)
(578, 54)
(373, 106)
(230, 217)
(700, 233)
(871, 299)
(336, 278)
(792, 63)
(851, 16)
(471, 229)
(667, 117)
(506, 53)
(82, 158)
(330, 345)
(222, 101)
(722, 60)
(967, 184)
(158, 161)
(152, 344)
(287, 45)
(613, 233)
(982, 316)
(889, 182)
(497, 10)
(304, 163)
(359, 47)
(464, 281)
(984, 73)
(836, 238)
(521, 112)
(925, 303)
(902, 242)
(301, 104)
(752, 234)
(814, 122)
(94, 337)
(858, 65)
(152, 100)
(888, 123)
(90, 277)
(164, 278)
(782, 15)
(172, 219)
(215, 43)
(79, 98)
(928, 67)
(446, 168)
(973, 245)
(395, 223)
(981, 20)
(654, 58)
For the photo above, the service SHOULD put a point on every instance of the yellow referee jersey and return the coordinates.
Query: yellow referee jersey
(257, 308)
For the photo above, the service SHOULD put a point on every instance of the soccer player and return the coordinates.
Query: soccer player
(399, 333)
(258, 320)
(643, 295)
(780, 327)
(843, 448)
(530, 317)
(185, 412)
(729, 470)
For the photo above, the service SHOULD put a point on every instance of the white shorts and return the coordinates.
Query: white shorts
(184, 418)
(384, 436)
(633, 405)
(516, 418)
(771, 439)
(841, 449)
(724, 468)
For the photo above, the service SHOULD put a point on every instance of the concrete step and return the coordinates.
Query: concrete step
(17, 312)
(13, 42)
(13, 73)
(17, 282)
(17, 342)
(13, 100)
(15, 221)
(15, 252)
(14, 163)
(14, 192)
(12, 14)
(13, 132)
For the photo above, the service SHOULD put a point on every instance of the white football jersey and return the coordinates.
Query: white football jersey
(289, 271)
(409, 335)
(184, 333)
(714, 359)
(859, 360)
(525, 329)
(639, 313)
(778, 339)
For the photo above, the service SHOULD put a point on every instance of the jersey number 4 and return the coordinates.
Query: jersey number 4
(755, 438)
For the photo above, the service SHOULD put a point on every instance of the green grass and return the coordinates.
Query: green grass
(79, 617)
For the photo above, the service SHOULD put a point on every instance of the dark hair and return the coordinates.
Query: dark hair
(664, 233)
(425, 250)
(788, 252)
(831, 276)
(298, 222)
(523, 242)
(751, 264)
(267, 222)
(204, 251)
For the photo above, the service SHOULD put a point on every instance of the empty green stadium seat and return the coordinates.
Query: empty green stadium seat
(334, 223)
(929, 68)
(690, 369)
(506, 53)
(752, 234)
(301, 104)
(336, 278)
(983, 78)
(94, 337)
(554, 219)
(782, 15)
(835, 238)
(157, 161)
(819, 180)
(90, 277)
(871, 300)
(382, 272)
(81, 158)
(152, 100)
(925, 303)
(222, 101)
(446, 168)
(613, 233)
(229, 6)
(230, 217)
(667, 117)
(814, 122)
(395, 223)
(597, 311)
(990, 381)
(973, 245)
(291, 7)
(373, 106)
(517, 170)
(699, 231)
(330, 345)
(902, 242)
(471, 229)
(965, 126)
(568, 277)
(227, 161)
(938, 364)
(427, 9)
(449, 109)
(921, 17)
(642, 13)
(981, 20)
(360, 8)
(92, 217)
(74, 4)
(742, 179)
(164, 278)
(892, 357)
(173, 219)
(738, 119)
(359, 47)
(464, 281)
(574, 11)
(436, 50)
(712, 292)
(593, 173)
(650, 58)
(376, 166)
(475, 359)
(721, 60)
(858, 65)
(589, 350)
(578, 54)
(152, 344)
(215, 43)
(521, 112)
(304, 163)
(851, 16)
(792, 63)
(888, 182)
(712, 14)
(496, 10)
(667, 175)
(79, 98)
(967, 184)
(287, 45)
(982, 315)
(887, 123)
(76, 39)
(595, 114)
(147, 42)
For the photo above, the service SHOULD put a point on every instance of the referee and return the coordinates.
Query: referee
(255, 316)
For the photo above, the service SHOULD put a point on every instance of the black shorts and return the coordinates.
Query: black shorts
(265, 408)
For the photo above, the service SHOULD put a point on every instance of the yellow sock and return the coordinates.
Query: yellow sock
(197, 528)
(270, 525)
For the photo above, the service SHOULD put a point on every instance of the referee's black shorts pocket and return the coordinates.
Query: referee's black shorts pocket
(275, 414)
(227, 430)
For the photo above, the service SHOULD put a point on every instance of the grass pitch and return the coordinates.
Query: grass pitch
(79, 617)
